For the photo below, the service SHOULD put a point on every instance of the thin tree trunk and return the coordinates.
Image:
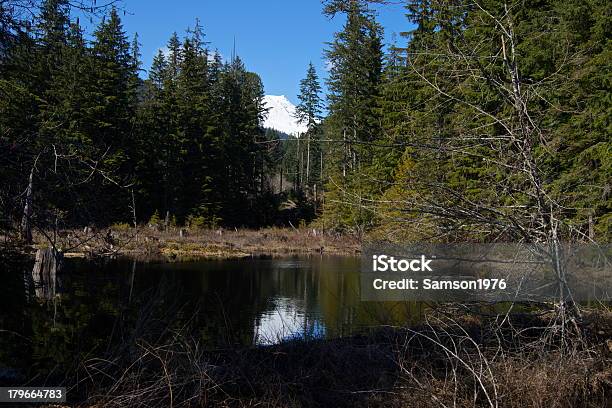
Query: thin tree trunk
(321, 163)
(308, 159)
(321, 168)
(353, 152)
(345, 153)
(134, 220)
(26, 221)
(299, 165)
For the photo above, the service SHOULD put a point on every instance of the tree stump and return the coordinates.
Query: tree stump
(48, 263)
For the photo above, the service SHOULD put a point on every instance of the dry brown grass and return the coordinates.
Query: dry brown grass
(554, 380)
(443, 363)
(202, 243)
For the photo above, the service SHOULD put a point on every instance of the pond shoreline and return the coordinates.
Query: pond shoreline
(181, 244)
(457, 355)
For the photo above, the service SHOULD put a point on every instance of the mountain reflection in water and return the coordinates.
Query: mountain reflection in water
(98, 305)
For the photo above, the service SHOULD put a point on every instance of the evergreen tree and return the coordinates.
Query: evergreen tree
(159, 69)
(353, 124)
(239, 160)
(483, 165)
(310, 106)
(194, 111)
(113, 110)
(174, 59)
(308, 112)
(135, 83)
(52, 28)
(19, 141)
(487, 119)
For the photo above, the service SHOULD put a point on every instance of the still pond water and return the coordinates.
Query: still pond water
(98, 305)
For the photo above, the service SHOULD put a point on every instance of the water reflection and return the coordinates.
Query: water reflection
(262, 301)
(287, 320)
(91, 308)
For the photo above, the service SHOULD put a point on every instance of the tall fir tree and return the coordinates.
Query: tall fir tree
(310, 104)
(113, 113)
(308, 112)
(353, 123)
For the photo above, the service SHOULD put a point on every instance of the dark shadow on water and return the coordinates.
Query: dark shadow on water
(106, 310)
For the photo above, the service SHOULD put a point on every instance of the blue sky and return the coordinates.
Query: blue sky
(275, 38)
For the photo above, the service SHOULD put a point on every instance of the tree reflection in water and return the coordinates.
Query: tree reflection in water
(102, 309)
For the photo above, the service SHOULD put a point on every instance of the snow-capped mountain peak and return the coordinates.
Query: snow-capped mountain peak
(281, 115)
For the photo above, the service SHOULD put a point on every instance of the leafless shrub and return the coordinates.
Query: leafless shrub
(449, 361)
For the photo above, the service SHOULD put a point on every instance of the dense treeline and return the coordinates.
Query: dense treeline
(104, 146)
(491, 122)
(353, 124)
(199, 154)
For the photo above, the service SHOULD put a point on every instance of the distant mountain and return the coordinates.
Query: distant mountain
(281, 115)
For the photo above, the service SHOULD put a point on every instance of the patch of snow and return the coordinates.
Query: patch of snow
(281, 115)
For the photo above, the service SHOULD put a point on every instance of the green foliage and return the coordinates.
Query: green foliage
(433, 146)
(430, 135)
(199, 127)
(353, 124)
(185, 140)
(121, 226)
(196, 222)
(450, 100)
(155, 218)
(302, 160)
(309, 109)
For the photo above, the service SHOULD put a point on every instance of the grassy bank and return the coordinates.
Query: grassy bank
(467, 361)
(175, 244)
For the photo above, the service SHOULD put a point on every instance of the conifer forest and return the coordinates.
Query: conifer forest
(487, 121)
(163, 245)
